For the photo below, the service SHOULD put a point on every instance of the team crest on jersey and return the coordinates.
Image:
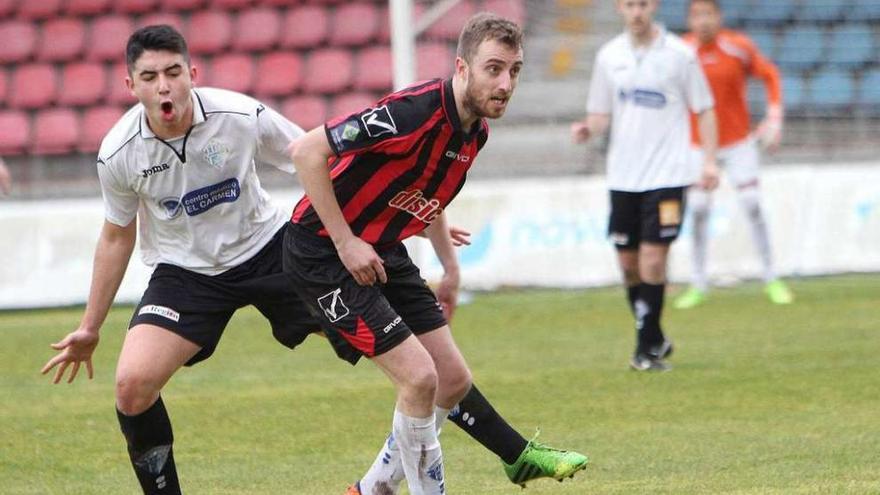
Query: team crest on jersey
(172, 207)
(216, 153)
(378, 121)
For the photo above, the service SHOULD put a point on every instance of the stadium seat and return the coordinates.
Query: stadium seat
(515, 10)
(673, 14)
(735, 12)
(348, 103)
(280, 74)
(434, 60)
(32, 10)
(354, 24)
(329, 70)
(230, 4)
(775, 13)
(4, 86)
(33, 86)
(117, 91)
(7, 7)
(832, 91)
(304, 26)
(869, 92)
(19, 40)
(863, 10)
(82, 83)
(135, 6)
(306, 111)
(180, 4)
(279, 3)
(851, 45)
(794, 91)
(169, 18)
(374, 69)
(802, 48)
(210, 32)
(233, 71)
(383, 34)
(820, 11)
(87, 7)
(109, 35)
(766, 41)
(63, 39)
(96, 122)
(16, 132)
(56, 131)
(257, 30)
(449, 26)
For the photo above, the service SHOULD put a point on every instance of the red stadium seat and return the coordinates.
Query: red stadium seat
(118, 92)
(109, 36)
(515, 10)
(96, 122)
(35, 10)
(306, 111)
(87, 7)
(16, 132)
(169, 18)
(7, 7)
(180, 4)
(434, 59)
(329, 70)
(449, 26)
(63, 40)
(354, 24)
(234, 71)
(280, 74)
(374, 69)
(135, 6)
(384, 30)
(351, 102)
(82, 83)
(277, 3)
(210, 32)
(19, 40)
(231, 4)
(56, 131)
(305, 27)
(257, 30)
(33, 86)
(4, 86)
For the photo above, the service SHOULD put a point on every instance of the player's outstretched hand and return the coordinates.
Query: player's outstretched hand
(75, 348)
(361, 260)
(460, 237)
(580, 131)
(447, 293)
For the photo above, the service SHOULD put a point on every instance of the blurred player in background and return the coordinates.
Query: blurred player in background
(644, 81)
(728, 59)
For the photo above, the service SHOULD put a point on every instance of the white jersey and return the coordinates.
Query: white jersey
(198, 199)
(648, 92)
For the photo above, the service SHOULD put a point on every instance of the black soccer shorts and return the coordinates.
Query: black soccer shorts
(650, 216)
(197, 307)
(360, 320)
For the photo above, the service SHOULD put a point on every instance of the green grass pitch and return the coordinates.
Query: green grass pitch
(762, 400)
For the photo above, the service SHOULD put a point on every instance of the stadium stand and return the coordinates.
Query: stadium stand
(305, 26)
(35, 11)
(82, 84)
(33, 86)
(210, 32)
(280, 73)
(257, 30)
(15, 138)
(135, 6)
(56, 131)
(355, 24)
(108, 36)
(19, 40)
(87, 7)
(62, 40)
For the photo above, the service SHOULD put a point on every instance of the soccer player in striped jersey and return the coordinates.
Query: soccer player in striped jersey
(729, 58)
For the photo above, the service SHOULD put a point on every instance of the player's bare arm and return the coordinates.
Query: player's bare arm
(310, 154)
(5, 179)
(112, 253)
(447, 291)
(709, 132)
(594, 124)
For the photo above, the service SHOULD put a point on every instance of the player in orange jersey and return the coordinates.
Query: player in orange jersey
(728, 59)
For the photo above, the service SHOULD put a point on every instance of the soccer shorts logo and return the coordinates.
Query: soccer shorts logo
(332, 306)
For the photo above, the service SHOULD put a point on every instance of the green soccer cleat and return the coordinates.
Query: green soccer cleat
(690, 298)
(541, 461)
(778, 292)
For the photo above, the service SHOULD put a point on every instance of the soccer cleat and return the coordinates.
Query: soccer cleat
(354, 489)
(662, 350)
(778, 292)
(540, 461)
(647, 362)
(690, 298)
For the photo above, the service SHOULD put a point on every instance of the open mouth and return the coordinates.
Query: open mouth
(167, 107)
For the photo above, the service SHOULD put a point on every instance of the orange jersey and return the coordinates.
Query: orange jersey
(728, 62)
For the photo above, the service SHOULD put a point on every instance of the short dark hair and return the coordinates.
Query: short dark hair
(714, 3)
(155, 37)
(487, 26)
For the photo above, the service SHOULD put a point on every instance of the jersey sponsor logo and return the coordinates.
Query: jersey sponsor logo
(457, 156)
(172, 207)
(644, 98)
(378, 121)
(414, 203)
(163, 311)
(332, 305)
(154, 170)
(202, 200)
(215, 153)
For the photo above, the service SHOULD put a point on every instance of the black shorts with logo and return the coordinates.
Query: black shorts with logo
(360, 320)
(650, 216)
(197, 307)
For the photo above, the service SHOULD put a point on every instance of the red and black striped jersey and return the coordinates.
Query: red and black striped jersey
(397, 165)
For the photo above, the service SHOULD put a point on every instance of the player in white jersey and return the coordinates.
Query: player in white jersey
(644, 82)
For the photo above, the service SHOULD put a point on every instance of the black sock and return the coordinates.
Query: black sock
(478, 419)
(648, 318)
(149, 440)
(632, 294)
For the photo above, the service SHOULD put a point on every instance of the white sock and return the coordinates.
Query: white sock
(387, 469)
(750, 200)
(420, 453)
(700, 208)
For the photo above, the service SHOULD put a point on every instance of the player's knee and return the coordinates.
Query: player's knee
(750, 200)
(454, 384)
(422, 381)
(134, 394)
